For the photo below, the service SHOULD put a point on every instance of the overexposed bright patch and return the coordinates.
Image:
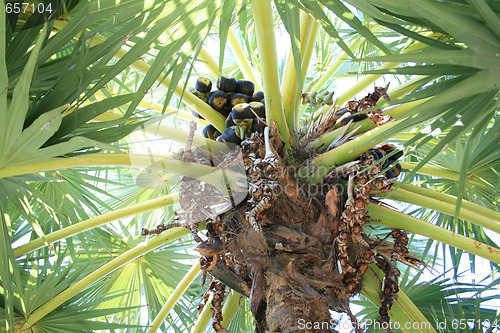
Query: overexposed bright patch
(428, 130)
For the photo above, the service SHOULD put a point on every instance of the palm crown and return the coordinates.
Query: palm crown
(88, 88)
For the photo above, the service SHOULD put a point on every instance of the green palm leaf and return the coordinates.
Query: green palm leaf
(80, 96)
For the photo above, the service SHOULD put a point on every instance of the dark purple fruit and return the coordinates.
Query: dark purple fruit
(242, 111)
(210, 132)
(225, 111)
(217, 99)
(255, 126)
(229, 122)
(396, 169)
(373, 153)
(263, 101)
(227, 84)
(257, 97)
(389, 174)
(203, 85)
(237, 98)
(245, 87)
(396, 155)
(356, 117)
(259, 108)
(229, 135)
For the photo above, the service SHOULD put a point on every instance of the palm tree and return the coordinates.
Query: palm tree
(96, 145)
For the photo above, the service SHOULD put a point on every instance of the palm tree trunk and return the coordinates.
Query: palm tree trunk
(290, 311)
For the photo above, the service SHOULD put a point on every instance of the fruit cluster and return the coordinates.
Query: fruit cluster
(379, 152)
(236, 100)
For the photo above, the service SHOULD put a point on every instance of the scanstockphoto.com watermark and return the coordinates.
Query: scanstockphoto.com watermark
(363, 324)
(453, 324)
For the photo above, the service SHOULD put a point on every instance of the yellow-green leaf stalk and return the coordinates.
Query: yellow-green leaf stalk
(266, 43)
(436, 171)
(181, 288)
(134, 160)
(290, 85)
(248, 72)
(446, 198)
(181, 136)
(306, 60)
(94, 222)
(446, 203)
(390, 218)
(403, 311)
(178, 113)
(431, 171)
(203, 173)
(209, 62)
(80, 285)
